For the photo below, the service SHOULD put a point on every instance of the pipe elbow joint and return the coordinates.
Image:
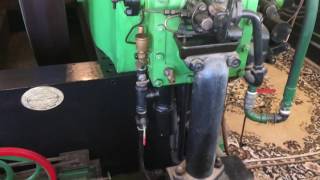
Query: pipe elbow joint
(279, 118)
(255, 77)
(285, 114)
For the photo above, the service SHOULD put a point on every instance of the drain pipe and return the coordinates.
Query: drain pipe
(293, 79)
(207, 107)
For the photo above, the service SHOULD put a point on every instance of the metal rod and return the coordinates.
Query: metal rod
(242, 131)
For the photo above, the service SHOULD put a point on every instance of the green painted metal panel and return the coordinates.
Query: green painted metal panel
(164, 51)
(110, 27)
(279, 3)
(163, 4)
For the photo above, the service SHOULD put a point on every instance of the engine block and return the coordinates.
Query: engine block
(110, 27)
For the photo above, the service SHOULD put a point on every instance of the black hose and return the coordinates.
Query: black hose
(257, 36)
(141, 101)
(166, 122)
(255, 74)
(225, 134)
(224, 129)
(141, 156)
(183, 104)
(133, 27)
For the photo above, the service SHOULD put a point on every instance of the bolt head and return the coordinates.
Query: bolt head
(158, 83)
(196, 64)
(233, 62)
(160, 27)
(180, 170)
(202, 7)
(128, 12)
(159, 56)
(207, 24)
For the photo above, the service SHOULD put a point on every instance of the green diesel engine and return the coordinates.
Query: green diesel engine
(161, 106)
(175, 28)
(200, 44)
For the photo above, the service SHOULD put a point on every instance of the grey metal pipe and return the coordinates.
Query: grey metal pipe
(255, 75)
(257, 35)
(208, 96)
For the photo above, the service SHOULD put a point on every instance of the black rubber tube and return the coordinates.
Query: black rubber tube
(255, 74)
(257, 36)
(183, 93)
(167, 122)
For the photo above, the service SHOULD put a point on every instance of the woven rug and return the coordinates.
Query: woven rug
(300, 134)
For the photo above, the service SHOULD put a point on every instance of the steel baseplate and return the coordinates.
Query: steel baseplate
(232, 168)
(179, 173)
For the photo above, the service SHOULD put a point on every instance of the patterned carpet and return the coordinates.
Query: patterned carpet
(256, 148)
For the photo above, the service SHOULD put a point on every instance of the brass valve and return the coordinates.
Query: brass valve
(142, 44)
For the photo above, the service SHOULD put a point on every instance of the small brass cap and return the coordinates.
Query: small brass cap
(142, 40)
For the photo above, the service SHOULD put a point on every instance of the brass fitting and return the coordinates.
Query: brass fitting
(142, 44)
(170, 74)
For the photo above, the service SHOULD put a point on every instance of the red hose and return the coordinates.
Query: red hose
(27, 154)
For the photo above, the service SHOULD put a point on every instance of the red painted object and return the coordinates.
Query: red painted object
(266, 91)
(27, 154)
